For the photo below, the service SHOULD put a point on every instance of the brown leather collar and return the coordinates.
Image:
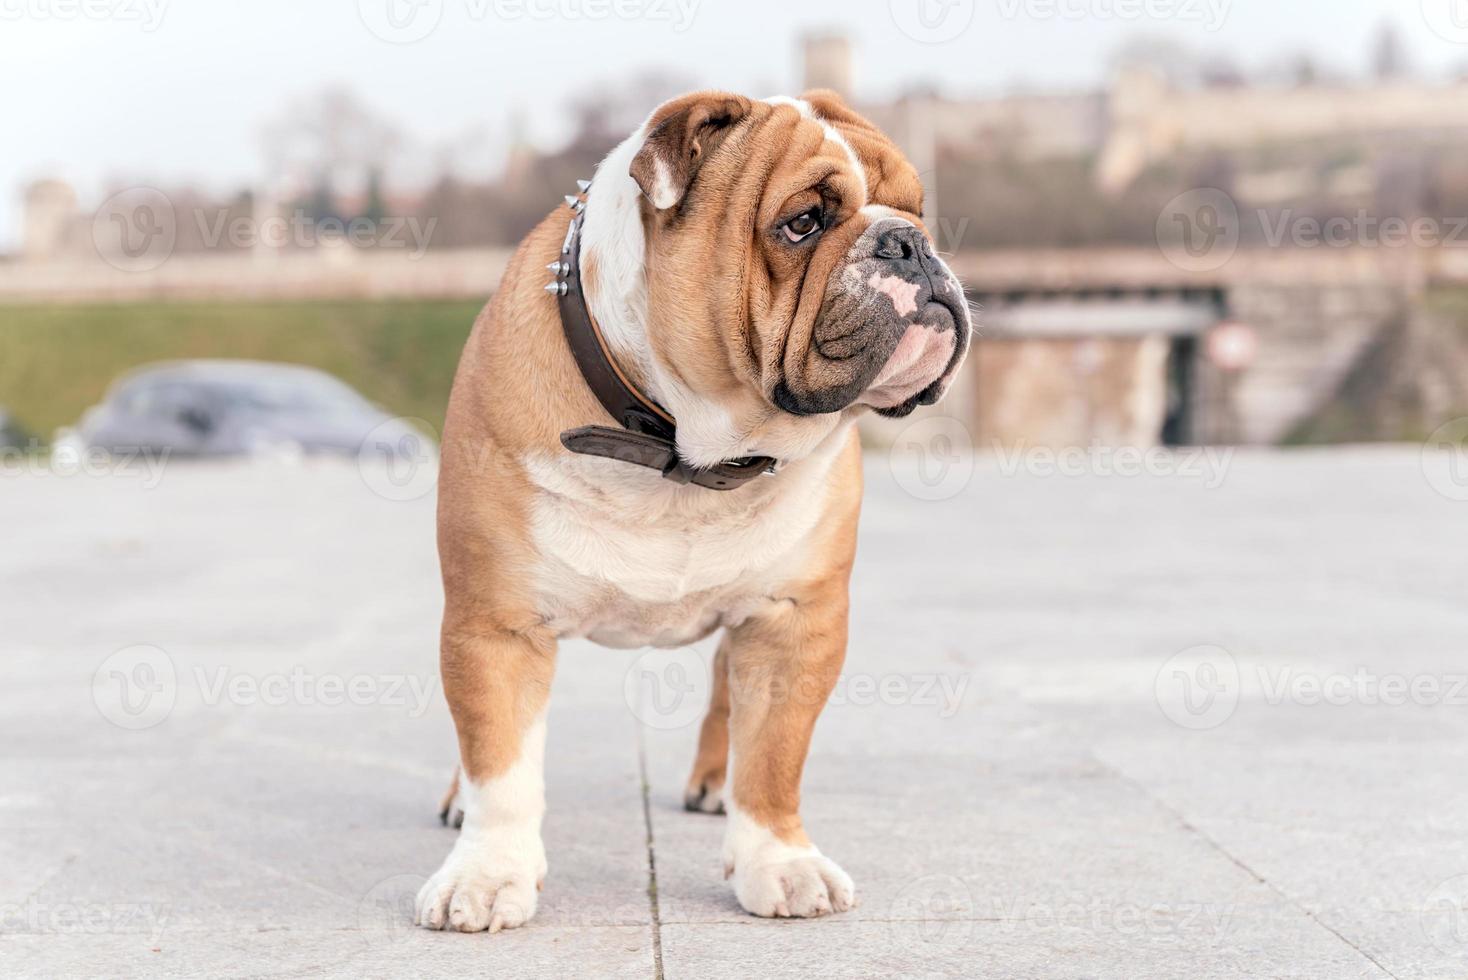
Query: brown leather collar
(648, 436)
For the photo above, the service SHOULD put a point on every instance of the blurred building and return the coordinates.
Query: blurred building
(1106, 341)
(1047, 204)
(51, 221)
(828, 63)
(1147, 121)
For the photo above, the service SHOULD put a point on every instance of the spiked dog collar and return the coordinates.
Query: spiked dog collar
(648, 436)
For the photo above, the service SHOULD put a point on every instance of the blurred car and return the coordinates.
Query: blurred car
(242, 408)
(12, 434)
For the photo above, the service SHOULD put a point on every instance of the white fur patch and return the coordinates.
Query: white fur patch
(630, 559)
(773, 878)
(876, 212)
(490, 879)
(832, 133)
(664, 194)
(611, 236)
(902, 293)
(799, 105)
(708, 433)
(687, 559)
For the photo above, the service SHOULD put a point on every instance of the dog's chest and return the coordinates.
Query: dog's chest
(644, 564)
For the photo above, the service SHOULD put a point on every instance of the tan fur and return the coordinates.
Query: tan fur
(727, 315)
(784, 664)
(516, 389)
(711, 762)
(757, 283)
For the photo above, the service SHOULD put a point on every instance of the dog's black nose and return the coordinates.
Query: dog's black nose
(901, 243)
(909, 252)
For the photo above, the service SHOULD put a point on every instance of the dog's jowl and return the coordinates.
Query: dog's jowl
(650, 438)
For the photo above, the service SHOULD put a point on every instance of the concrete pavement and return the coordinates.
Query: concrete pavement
(1192, 723)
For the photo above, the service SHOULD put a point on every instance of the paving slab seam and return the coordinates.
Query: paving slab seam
(1238, 862)
(652, 864)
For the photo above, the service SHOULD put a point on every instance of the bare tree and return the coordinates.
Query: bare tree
(1221, 71)
(607, 113)
(329, 141)
(1389, 60)
(1169, 59)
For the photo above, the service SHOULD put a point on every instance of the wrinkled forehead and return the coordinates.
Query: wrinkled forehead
(811, 142)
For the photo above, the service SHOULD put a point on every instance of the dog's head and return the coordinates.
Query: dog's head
(787, 277)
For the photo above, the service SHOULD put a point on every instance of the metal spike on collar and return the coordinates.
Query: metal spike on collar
(559, 268)
(559, 287)
(583, 185)
(572, 200)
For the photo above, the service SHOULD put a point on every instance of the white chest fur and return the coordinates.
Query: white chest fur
(629, 559)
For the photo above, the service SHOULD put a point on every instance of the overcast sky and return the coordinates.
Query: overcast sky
(177, 91)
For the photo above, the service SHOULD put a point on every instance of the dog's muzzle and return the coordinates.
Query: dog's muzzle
(892, 329)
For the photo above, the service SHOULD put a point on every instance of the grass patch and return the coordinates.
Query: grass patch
(56, 361)
(1450, 302)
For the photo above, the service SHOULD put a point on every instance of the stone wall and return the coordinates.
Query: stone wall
(1070, 392)
(1316, 315)
(320, 273)
(1310, 337)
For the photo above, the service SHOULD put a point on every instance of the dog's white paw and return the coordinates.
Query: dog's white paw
(796, 886)
(488, 886)
(776, 879)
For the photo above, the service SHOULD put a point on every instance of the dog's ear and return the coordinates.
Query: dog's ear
(680, 136)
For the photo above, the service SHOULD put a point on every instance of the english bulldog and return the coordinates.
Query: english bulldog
(658, 443)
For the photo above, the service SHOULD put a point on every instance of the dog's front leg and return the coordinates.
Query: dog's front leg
(497, 684)
(782, 667)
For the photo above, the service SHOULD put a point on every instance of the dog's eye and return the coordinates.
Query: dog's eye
(802, 226)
